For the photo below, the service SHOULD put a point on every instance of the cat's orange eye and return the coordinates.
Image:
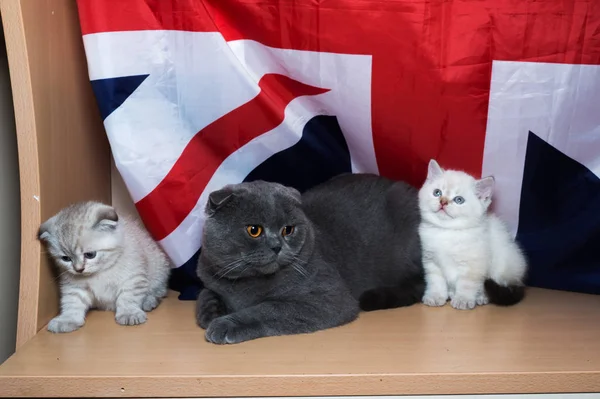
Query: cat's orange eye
(254, 230)
(287, 230)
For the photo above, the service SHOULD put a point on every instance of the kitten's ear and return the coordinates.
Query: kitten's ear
(217, 199)
(484, 188)
(434, 170)
(44, 230)
(43, 233)
(106, 218)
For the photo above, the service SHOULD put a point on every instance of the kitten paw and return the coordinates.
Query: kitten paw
(434, 300)
(463, 303)
(482, 299)
(208, 307)
(223, 330)
(63, 325)
(150, 303)
(131, 318)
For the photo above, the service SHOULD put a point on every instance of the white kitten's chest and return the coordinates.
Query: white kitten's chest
(452, 250)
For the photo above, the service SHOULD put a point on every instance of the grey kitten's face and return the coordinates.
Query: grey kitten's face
(254, 229)
(83, 238)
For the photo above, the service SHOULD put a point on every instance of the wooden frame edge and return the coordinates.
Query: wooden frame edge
(29, 177)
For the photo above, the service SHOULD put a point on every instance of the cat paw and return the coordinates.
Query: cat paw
(131, 318)
(64, 325)
(482, 299)
(150, 303)
(463, 303)
(434, 300)
(208, 307)
(223, 330)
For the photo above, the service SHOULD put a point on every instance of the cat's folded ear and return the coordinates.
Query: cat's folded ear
(289, 192)
(217, 199)
(44, 232)
(484, 188)
(434, 170)
(106, 218)
(294, 194)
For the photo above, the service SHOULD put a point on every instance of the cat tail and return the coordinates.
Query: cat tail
(504, 295)
(388, 297)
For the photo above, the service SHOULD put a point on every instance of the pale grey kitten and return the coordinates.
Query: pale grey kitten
(104, 262)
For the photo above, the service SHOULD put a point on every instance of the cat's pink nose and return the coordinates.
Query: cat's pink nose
(79, 270)
(444, 201)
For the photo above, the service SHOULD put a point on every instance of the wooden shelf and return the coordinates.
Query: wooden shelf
(549, 343)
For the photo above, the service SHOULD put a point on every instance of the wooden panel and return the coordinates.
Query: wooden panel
(63, 151)
(547, 344)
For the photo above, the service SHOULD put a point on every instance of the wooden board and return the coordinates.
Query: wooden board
(548, 343)
(64, 155)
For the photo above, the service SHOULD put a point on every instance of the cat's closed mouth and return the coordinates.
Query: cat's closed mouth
(269, 269)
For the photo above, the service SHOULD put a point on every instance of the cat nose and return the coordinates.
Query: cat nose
(276, 249)
(79, 270)
(444, 201)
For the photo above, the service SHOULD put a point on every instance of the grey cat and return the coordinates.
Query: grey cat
(105, 262)
(275, 262)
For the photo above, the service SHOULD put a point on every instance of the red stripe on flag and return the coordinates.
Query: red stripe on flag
(128, 15)
(431, 59)
(180, 190)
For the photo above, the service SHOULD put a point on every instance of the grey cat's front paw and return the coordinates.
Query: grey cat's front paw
(434, 300)
(61, 324)
(150, 303)
(224, 330)
(208, 307)
(131, 318)
(463, 303)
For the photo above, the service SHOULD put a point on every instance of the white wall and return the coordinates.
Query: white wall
(10, 221)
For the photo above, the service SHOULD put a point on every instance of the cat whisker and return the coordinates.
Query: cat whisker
(228, 268)
(243, 270)
(59, 275)
(299, 268)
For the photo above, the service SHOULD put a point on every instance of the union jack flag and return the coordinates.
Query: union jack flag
(196, 94)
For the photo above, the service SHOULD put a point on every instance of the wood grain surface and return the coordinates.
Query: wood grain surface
(64, 155)
(548, 343)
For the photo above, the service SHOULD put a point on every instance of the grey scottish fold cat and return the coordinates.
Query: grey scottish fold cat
(275, 262)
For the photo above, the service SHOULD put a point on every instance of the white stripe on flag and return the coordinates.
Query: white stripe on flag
(557, 102)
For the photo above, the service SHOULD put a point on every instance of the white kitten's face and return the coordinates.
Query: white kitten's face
(454, 199)
(82, 240)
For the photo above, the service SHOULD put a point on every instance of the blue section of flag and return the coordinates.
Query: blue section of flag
(185, 280)
(559, 220)
(321, 153)
(111, 93)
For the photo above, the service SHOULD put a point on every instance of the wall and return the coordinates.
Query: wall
(10, 222)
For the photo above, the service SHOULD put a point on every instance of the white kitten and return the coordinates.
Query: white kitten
(468, 254)
(105, 262)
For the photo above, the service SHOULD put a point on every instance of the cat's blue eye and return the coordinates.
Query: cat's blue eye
(437, 192)
(459, 200)
(90, 255)
(65, 258)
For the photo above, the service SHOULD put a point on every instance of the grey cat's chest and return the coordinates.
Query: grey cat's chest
(242, 293)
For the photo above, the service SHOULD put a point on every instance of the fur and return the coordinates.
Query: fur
(368, 225)
(468, 254)
(340, 253)
(104, 262)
